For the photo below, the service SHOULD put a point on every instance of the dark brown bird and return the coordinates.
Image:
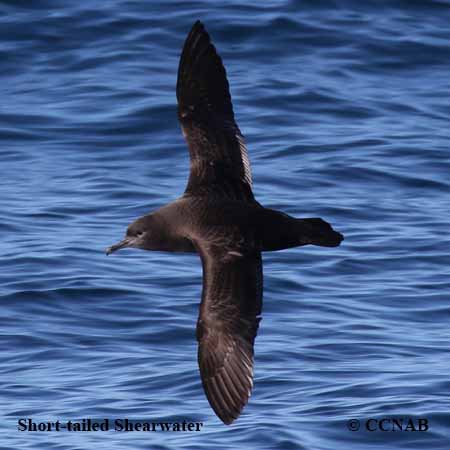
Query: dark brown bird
(219, 218)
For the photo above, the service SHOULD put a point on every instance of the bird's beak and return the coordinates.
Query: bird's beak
(125, 243)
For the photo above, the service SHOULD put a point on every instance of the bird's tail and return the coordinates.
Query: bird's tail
(278, 231)
(319, 232)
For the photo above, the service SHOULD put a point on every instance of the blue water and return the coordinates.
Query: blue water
(345, 107)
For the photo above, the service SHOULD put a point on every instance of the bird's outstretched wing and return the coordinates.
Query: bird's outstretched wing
(227, 327)
(219, 160)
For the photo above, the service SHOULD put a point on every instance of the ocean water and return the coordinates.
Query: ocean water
(345, 107)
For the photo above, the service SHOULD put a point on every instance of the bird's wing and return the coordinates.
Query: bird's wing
(227, 326)
(219, 160)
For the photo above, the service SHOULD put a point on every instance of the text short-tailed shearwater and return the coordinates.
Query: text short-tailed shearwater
(219, 218)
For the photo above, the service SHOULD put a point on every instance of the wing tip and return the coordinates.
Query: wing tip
(226, 411)
(229, 388)
(198, 24)
(197, 28)
(202, 86)
(227, 420)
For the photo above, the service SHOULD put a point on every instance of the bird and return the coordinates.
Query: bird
(219, 218)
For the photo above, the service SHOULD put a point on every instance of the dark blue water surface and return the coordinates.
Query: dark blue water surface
(345, 106)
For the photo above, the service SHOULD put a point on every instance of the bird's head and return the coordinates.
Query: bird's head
(138, 235)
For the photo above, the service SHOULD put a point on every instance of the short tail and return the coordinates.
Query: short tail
(319, 232)
(278, 231)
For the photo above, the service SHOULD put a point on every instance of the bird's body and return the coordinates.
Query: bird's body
(219, 218)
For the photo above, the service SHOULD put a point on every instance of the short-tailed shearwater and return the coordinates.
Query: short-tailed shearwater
(219, 218)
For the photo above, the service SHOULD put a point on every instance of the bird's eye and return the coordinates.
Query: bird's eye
(140, 233)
